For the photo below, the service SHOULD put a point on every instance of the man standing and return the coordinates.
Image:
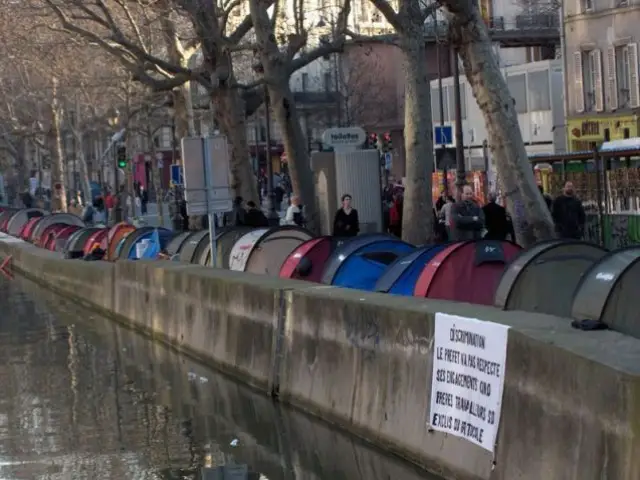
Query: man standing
(467, 218)
(495, 217)
(568, 214)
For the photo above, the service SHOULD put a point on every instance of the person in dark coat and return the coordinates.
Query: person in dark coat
(547, 198)
(495, 219)
(254, 217)
(568, 214)
(467, 218)
(346, 222)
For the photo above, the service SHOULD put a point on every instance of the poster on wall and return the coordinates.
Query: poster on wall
(242, 249)
(469, 366)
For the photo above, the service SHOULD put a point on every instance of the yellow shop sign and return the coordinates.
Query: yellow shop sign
(585, 131)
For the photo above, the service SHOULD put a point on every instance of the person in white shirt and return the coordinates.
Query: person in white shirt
(294, 214)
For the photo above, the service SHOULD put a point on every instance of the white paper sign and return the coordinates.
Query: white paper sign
(242, 249)
(469, 363)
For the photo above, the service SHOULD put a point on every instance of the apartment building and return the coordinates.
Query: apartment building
(537, 89)
(601, 45)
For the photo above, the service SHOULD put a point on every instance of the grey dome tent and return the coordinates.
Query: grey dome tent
(65, 218)
(74, 248)
(21, 217)
(264, 250)
(608, 292)
(177, 242)
(543, 278)
(188, 250)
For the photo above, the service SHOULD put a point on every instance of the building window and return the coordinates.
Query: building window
(327, 81)
(305, 82)
(539, 91)
(622, 76)
(517, 85)
(586, 5)
(588, 89)
(364, 11)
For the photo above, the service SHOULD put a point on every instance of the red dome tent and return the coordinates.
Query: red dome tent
(27, 229)
(49, 234)
(466, 271)
(59, 240)
(307, 262)
(96, 238)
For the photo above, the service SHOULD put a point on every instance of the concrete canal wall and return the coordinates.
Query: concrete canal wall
(571, 404)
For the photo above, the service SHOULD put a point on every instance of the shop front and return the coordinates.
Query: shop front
(584, 132)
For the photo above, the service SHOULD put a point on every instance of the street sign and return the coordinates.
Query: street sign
(388, 161)
(352, 137)
(206, 180)
(443, 135)
(206, 175)
(176, 175)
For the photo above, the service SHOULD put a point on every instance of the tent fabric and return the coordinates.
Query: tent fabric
(401, 276)
(308, 260)
(188, 250)
(608, 292)
(48, 241)
(334, 262)
(61, 238)
(466, 271)
(160, 235)
(27, 229)
(75, 243)
(224, 244)
(58, 218)
(264, 250)
(115, 235)
(44, 237)
(175, 245)
(362, 268)
(153, 249)
(99, 238)
(131, 240)
(5, 217)
(21, 217)
(544, 277)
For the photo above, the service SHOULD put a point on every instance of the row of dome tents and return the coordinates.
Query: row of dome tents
(571, 279)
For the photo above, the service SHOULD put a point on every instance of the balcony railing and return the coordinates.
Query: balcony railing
(302, 97)
(525, 28)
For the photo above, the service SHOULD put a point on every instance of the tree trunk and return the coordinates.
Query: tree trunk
(417, 223)
(58, 170)
(295, 144)
(275, 65)
(155, 177)
(229, 114)
(84, 170)
(183, 112)
(531, 217)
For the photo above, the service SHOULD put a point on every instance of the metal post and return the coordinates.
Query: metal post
(117, 211)
(461, 177)
(272, 215)
(445, 183)
(213, 241)
(598, 164)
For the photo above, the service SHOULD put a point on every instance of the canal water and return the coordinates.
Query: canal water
(82, 398)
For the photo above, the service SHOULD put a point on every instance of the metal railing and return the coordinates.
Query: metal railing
(618, 230)
(527, 22)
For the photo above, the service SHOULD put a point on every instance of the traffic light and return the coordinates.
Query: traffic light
(373, 141)
(121, 156)
(387, 145)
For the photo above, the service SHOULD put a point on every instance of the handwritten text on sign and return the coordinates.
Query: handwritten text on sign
(468, 378)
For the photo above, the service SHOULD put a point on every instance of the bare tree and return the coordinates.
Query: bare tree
(408, 22)
(470, 38)
(368, 100)
(281, 49)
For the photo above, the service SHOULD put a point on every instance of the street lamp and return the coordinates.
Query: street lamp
(114, 121)
(272, 215)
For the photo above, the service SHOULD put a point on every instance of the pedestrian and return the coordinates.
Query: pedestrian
(144, 200)
(346, 222)
(547, 198)
(568, 214)
(444, 218)
(294, 215)
(395, 214)
(495, 219)
(467, 218)
(235, 218)
(254, 217)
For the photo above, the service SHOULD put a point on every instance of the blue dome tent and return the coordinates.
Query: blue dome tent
(360, 262)
(128, 249)
(401, 276)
